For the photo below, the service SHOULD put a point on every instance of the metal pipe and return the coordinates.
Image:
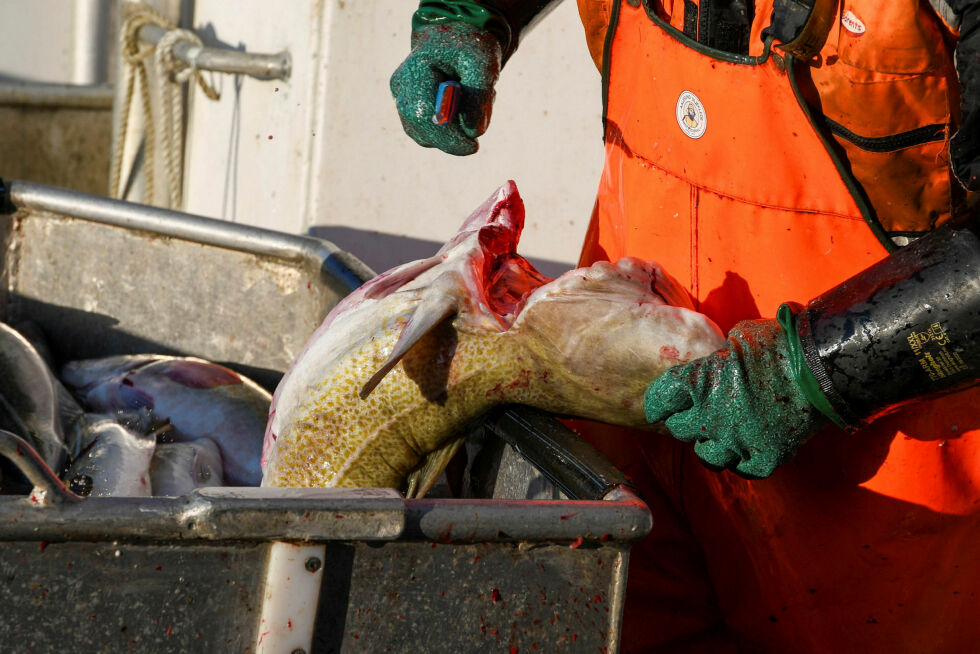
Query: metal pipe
(221, 60)
(90, 33)
(198, 229)
(316, 515)
(40, 94)
(474, 521)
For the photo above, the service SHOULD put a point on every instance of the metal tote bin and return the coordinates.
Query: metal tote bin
(277, 570)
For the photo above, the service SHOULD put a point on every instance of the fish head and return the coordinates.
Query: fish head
(487, 238)
(115, 464)
(179, 468)
(87, 427)
(607, 331)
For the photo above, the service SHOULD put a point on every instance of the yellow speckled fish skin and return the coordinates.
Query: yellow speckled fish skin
(338, 439)
(585, 344)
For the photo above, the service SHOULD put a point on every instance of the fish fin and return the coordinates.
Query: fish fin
(432, 310)
(422, 479)
(197, 373)
(388, 282)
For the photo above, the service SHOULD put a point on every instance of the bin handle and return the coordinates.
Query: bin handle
(560, 454)
(48, 489)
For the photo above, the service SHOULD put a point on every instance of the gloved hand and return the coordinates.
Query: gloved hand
(440, 52)
(742, 406)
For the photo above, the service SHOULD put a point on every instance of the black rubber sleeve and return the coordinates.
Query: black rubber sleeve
(905, 329)
(787, 19)
(521, 15)
(508, 20)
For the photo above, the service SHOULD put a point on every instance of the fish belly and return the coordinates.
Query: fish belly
(335, 438)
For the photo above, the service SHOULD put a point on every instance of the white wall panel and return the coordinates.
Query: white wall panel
(55, 41)
(324, 151)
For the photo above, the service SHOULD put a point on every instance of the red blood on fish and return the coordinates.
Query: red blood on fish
(455, 333)
(512, 281)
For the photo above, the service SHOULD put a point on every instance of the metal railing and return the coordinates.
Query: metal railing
(222, 60)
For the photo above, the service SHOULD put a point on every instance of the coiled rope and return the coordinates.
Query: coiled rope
(171, 74)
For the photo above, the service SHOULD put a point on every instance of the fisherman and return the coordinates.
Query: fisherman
(764, 156)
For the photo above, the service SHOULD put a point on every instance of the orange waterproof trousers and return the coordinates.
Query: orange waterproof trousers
(865, 542)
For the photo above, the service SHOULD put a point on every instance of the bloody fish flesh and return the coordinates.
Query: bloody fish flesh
(400, 364)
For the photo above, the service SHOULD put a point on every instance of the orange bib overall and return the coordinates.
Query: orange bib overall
(865, 542)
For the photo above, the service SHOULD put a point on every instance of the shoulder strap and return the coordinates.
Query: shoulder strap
(802, 42)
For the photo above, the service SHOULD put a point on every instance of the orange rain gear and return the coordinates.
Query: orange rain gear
(715, 167)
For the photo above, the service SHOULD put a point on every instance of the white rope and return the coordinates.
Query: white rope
(171, 74)
(133, 54)
(171, 104)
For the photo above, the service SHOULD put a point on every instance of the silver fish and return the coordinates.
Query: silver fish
(82, 429)
(402, 362)
(115, 464)
(200, 399)
(179, 468)
(28, 397)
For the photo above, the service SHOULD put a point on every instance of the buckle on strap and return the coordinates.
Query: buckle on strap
(802, 26)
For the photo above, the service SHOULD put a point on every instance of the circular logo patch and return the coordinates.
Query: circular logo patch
(853, 24)
(690, 115)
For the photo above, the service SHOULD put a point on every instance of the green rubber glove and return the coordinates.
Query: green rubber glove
(743, 407)
(443, 51)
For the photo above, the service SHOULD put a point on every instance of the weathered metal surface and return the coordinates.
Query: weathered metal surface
(431, 597)
(496, 520)
(110, 597)
(56, 134)
(388, 597)
(185, 574)
(163, 282)
(368, 514)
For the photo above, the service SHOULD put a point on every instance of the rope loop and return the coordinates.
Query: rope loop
(133, 50)
(180, 71)
(171, 74)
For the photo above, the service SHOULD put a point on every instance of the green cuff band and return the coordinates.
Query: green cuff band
(804, 378)
(436, 12)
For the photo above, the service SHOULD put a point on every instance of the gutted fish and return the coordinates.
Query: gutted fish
(115, 464)
(179, 468)
(403, 362)
(200, 400)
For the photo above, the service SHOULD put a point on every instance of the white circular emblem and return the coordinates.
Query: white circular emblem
(690, 115)
(852, 23)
